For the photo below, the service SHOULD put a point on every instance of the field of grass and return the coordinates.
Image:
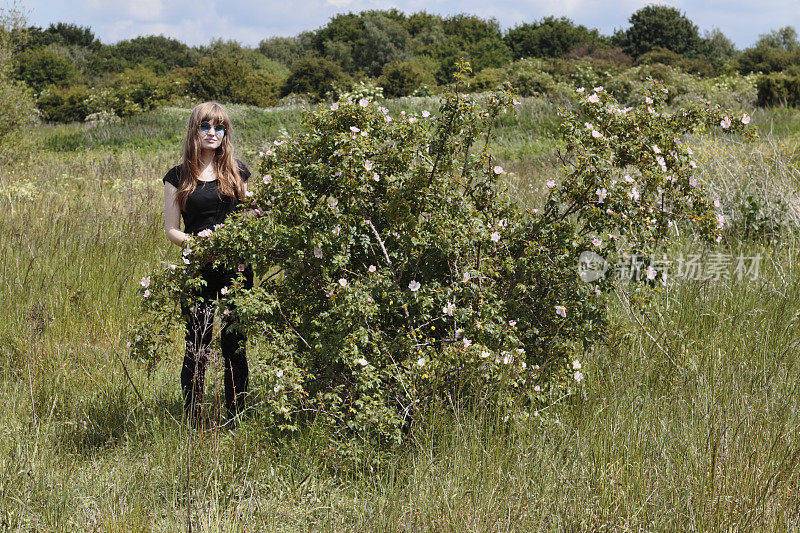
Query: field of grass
(687, 419)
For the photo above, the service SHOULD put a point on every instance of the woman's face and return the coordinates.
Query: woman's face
(211, 134)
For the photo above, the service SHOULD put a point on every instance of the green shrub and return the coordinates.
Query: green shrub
(778, 90)
(396, 269)
(63, 105)
(402, 78)
(40, 67)
(314, 76)
(529, 77)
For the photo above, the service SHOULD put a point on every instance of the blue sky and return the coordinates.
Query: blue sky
(249, 21)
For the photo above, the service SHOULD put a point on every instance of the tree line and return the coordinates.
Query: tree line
(73, 76)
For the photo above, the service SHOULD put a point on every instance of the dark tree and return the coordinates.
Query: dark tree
(657, 25)
(549, 37)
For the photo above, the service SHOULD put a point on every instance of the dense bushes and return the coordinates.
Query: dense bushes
(779, 90)
(401, 54)
(396, 269)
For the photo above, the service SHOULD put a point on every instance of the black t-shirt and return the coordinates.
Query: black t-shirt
(205, 208)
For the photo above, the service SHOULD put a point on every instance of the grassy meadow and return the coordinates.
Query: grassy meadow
(688, 418)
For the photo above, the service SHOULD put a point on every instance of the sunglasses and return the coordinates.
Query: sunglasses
(205, 127)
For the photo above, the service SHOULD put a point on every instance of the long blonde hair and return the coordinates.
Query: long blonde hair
(230, 182)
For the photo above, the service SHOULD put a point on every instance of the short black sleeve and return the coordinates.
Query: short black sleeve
(243, 170)
(172, 177)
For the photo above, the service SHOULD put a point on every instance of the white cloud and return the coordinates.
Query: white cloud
(145, 9)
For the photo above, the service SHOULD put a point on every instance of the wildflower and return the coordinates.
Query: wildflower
(689, 151)
(185, 260)
(467, 343)
(692, 164)
(576, 365)
(363, 102)
(449, 308)
(588, 125)
(651, 273)
(516, 102)
(725, 123)
(720, 221)
(240, 268)
(597, 242)
(561, 311)
(512, 323)
(368, 165)
(485, 354)
(361, 361)
(343, 282)
(414, 285)
(648, 100)
(279, 373)
(662, 163)
(550, 184)
(596, 134)
(593, 98)
(693, 181)
(628, 178)
(598, 89)
(363, 133)
(421, 361)
(145, 281)
(601, 195)
(376, 177)
(498, 169)
(383, 109)
(334, 106)
(507, 358)
(205, 233)
(354, 129)
(656, 149)
(249, 193)
(716, 203)
(634, 194)
(495, 237)
(426, 114)
(578, 376)
(261, 154)
(146, 293)
(278, 143)
(580, 89)
(372, 268)
(128, 344)
(609, 212)
(402, 113)
(223, 290)
(226, 312)
(387, 118)
(537, 388)
(267, 179)
(318, 252)
(268, 153)
(337, 230)
(172, 266)
(369, 299)
(465, 277)
(745, 119)
(412, 119)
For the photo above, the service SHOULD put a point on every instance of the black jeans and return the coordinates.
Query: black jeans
(199, 329)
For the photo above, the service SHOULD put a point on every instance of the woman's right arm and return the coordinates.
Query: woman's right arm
(172, 216)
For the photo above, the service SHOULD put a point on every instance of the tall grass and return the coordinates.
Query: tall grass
(687, 419)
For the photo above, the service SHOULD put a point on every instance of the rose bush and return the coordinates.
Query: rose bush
(394, 267)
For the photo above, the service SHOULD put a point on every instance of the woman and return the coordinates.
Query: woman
(203, 190)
